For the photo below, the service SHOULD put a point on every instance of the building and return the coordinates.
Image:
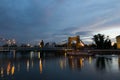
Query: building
(79, 43)
(118, 41)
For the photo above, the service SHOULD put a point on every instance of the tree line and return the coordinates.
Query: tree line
(102, 42)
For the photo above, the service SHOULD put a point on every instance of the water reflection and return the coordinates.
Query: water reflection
(28, 65)
(90, 59)
(65, 54)
(40, 66)
(18, 66)
(62, 63)
(8, 65)
(76, 63)
(38, 55)
(13, 70)
(2, 72)
(14, 53)
(31, 54)
(32, 63)
(103, 63)
(8, 68)
(119, 63)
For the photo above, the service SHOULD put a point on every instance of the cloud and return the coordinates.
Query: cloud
(83, 33)
(33, 20)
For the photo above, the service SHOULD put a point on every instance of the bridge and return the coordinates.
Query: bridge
(7, 49)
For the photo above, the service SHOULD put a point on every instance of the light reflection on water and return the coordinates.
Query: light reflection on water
(40, 65)
(31, 66)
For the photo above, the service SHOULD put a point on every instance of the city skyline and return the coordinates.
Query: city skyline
(56, 20)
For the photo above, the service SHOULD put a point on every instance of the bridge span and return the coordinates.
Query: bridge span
(5, 49)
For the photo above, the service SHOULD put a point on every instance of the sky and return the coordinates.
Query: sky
(30, 21)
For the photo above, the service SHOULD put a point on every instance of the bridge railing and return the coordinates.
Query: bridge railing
(33, 48)
(4, 48)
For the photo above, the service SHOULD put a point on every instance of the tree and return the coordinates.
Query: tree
(102, 42)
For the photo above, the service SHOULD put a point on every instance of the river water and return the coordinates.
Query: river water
(30, 66)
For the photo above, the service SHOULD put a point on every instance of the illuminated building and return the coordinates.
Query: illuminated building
(118, 41)
(79, 43)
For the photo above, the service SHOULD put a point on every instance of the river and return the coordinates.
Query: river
(30, 66)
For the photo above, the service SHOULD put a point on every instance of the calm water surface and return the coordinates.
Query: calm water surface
(31, 67)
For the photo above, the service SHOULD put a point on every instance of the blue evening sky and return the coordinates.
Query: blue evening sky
(55, 20)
